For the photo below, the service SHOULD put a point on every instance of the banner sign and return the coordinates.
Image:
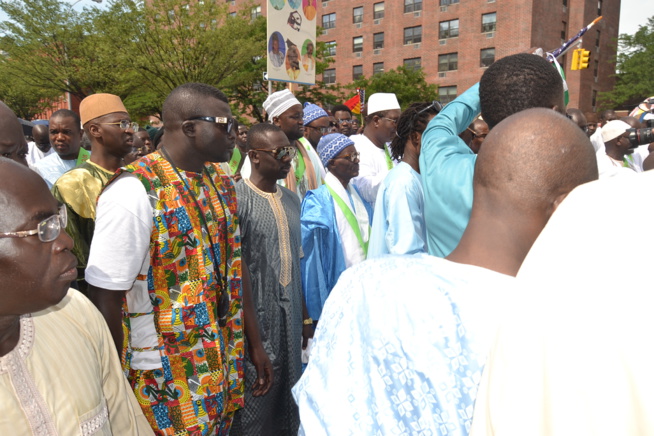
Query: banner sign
(292, 41)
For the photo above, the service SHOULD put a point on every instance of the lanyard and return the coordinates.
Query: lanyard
(389, 162)
(351, 219)
(235, 160)
(301, 166)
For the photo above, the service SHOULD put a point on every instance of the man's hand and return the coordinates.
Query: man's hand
(307, 333)
(265, 376)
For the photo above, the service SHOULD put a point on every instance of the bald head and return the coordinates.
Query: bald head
(186, 101)
(12, 141)
(41, 136)
(608, 115)
(531, 159)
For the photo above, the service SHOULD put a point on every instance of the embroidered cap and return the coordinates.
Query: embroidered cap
(312, 112)
(279, 102)
(97, 105)
(331, 145)
(613, 129)
(382, 101)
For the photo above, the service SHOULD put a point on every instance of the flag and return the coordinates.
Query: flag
(354, 104)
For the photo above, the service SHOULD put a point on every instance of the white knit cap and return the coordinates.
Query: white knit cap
(613, 129)
(279, 102)
(382, 101)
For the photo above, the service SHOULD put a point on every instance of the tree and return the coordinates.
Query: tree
(26, 101)
(407, 84)
(635, 66)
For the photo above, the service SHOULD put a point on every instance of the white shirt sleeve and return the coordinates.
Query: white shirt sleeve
(121, 240)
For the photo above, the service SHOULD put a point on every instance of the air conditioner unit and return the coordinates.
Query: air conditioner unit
(233, 3)
(376, 52)
(358, 26)
(325, 32)
(324, 4)
(416, 45)
(442, 41)
(565, 9)
(443, 8)
(377, 21)
(442, 74)
(490, 34)
(358, 54)
(416, 14)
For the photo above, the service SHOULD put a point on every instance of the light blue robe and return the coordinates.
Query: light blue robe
(52, 167)
(447, 166)
(323, 260)
(400, 348)
(399, 223)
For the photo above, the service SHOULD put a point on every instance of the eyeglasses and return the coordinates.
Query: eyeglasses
(436, 105)
(345, 121)
(352, 157)
(281, 152)
(229, 122)
(391, 120)
(48, 229)
(476, 135)
(125, 124)
(323, 130)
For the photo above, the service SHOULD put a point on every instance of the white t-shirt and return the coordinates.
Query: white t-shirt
(34, 154)
(119, 252)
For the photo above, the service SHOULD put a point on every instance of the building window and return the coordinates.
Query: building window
(593, 99)
(413, 63)
(599, 12)
(331, 48)
(564, 30)
(329, 21)
(565, 2)
(378, 10)
(378, 41)
(412, 6)
(329, 76)
(357, 44)
(448, 29)
(255, 12)
(357, 72)
(357, 15)
(412, 35)
(487, 56)
(377, 68)
(488, 22)
(448, 62)
(596, 70)
(597, 40)
(446, 93)
(448, 2)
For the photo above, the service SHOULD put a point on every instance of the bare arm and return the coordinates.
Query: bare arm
(110, 305)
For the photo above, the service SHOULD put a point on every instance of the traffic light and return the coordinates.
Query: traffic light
(584, 58)
(580, 59)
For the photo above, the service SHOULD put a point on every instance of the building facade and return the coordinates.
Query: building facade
(455, 40)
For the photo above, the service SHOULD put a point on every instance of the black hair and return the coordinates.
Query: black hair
(340, 108)
(185, 101)
(258, 133)
(413, 119)
(65, 113)
(518, 82)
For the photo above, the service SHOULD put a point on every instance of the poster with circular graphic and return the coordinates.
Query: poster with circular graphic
(292, 41)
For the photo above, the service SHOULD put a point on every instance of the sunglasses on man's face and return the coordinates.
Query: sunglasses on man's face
(281, 152)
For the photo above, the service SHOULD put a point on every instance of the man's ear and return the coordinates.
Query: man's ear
(94, 130)
(254, 157)
(188, 128)
(275, 121)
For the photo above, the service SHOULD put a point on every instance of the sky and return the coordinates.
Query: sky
(634, 13)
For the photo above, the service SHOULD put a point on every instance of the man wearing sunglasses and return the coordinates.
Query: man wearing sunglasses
(478, 130)
(165, 264)
(111, 132)
(381, 123)
(269, 216)
(59, 372)
(316, 125)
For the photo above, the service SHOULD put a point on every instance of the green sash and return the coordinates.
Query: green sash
(389, 162)
(235, 160)
(351, 219)
(300, 168)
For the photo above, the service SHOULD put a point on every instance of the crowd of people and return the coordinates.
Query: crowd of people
(442, 270)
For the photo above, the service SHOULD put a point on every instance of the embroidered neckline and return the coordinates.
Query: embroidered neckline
(277, 194)
(25, 343)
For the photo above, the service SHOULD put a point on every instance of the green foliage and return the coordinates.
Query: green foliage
(635, 66)
(26, 101)
(408, 85)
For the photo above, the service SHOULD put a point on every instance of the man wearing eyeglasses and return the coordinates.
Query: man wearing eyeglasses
(343, 115)
(110, 130)
(316, 125)
(479, 130)
(59, 372)
(66, 139)
(269, 215)
(381, 123)
(165, 264)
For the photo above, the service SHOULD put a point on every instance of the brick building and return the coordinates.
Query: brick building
(455, 40)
